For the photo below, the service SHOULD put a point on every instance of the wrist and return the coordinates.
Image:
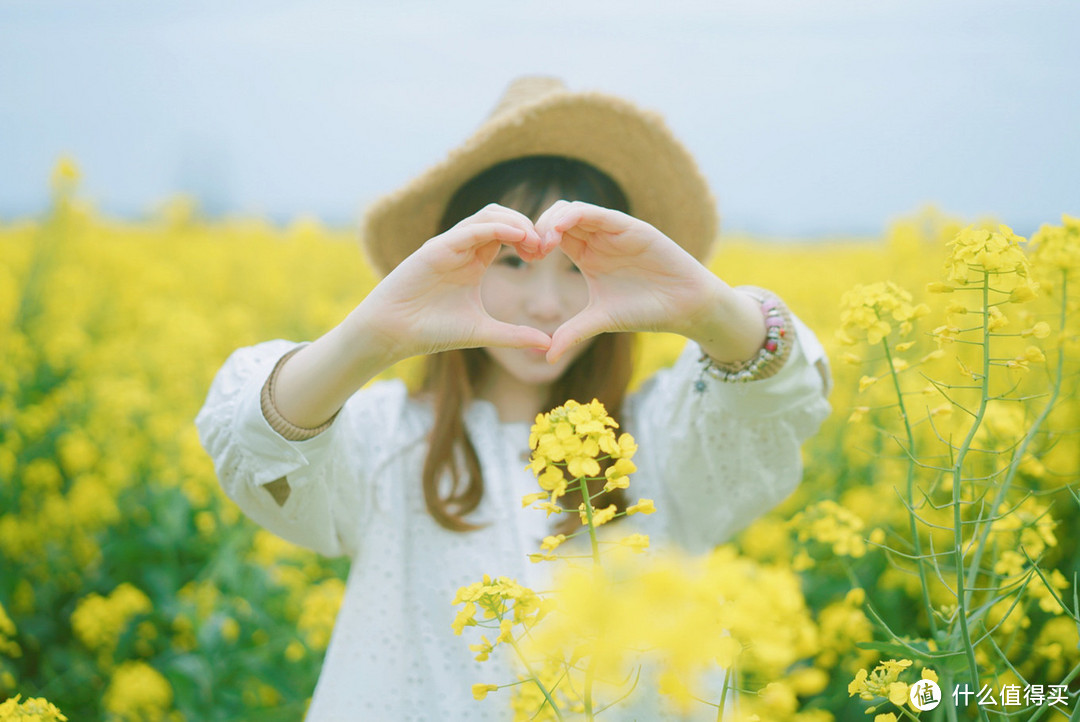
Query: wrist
(730, 327)
(773, 353)
(368, 341)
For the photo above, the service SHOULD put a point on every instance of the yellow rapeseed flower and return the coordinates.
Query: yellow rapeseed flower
(643, 506)
(34, 709)
(1039, 330)
(882, 682)
(979, 250)
(867, 312)
(551, 543)
(570, 439)
(997, 319)
(8, 646)
(599, 516)
(99, 621)
(829, 523)
(318, 612)
(637, 542)
(1056, 249)
(480, 691)
(137, 692)
(1049, 598)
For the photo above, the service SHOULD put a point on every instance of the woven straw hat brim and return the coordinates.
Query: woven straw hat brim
(660, 178)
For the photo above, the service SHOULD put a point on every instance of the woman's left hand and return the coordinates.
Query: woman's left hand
(638, 278)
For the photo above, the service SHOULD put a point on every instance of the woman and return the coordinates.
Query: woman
(517, 266)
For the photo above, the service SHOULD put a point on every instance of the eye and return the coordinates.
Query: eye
(510, 260)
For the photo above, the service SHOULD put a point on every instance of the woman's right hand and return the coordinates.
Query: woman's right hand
(431, 301)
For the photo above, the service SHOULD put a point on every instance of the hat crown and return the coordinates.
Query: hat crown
(526, 89)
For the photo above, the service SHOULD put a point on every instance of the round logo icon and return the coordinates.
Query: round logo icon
(925, 695)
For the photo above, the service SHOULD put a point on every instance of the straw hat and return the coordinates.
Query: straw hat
(539, 116)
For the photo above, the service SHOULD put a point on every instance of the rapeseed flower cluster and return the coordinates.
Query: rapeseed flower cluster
(35, 709)
(884, 683)
(832, 525)
(1057, 247)
(111, 332)
(868, 312)
(965, 487)
(841, 626)
(8, 646)
(1026, 528)
(139, 693)
(503, 604)
(319, 610)
(679, 618)
(672, 615)
(572, 437)
(98, 621)
(978, 251)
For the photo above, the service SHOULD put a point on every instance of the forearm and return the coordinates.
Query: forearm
(730, 326)
(316, 382)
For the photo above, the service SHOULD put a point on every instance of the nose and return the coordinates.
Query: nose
(544, 300)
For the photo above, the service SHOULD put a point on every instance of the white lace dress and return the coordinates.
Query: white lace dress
(713, 456)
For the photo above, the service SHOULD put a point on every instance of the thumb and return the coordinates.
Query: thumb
(574, 330)
(508, 335)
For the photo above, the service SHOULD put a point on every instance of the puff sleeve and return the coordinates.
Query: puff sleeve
(328, 496)
(721, 454)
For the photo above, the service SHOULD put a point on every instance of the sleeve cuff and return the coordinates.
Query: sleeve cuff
(277, 455)
(796, 383)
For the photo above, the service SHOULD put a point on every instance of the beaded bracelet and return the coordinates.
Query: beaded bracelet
(288, 430)
(773, 353)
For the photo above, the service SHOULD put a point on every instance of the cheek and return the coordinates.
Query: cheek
(497, 294)
(574, 291)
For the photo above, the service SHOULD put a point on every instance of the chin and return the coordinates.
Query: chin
(531, 367)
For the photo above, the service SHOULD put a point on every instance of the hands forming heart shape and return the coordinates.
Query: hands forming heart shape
(638, 279)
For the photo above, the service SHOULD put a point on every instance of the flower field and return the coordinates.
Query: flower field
(934, 535)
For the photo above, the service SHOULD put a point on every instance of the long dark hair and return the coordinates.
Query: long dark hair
(529, 185)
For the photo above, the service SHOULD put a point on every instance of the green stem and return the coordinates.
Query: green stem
(948, 682)
(589, 521)
(999, 497)
(723, 696)
(536, 679)
(1068, 678)
(904, 711)
(587, 696)
(913, 526)
(590, 670)
(958, 529)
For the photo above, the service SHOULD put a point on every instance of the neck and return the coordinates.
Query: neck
(512, 398)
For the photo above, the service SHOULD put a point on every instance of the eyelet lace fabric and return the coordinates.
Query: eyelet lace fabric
(713, 461)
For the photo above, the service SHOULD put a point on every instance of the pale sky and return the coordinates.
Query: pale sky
(808, 118)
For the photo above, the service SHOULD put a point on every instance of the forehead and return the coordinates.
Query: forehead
(528, 202)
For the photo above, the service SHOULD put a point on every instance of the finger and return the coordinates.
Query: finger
(574, 330)
(590, 217)
(543, 223)
(556, 220)
(493, 212)
(487, 252)
(508, 335)
(465, 239)
(573, 245)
